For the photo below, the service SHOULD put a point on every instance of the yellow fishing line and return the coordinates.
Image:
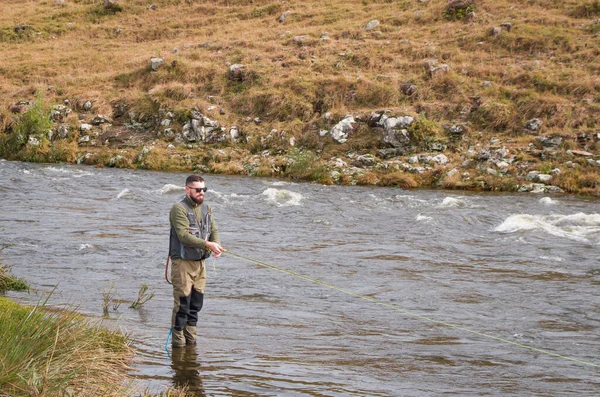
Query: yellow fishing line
(393, 307)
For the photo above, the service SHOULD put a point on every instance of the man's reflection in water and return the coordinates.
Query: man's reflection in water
(187, 370)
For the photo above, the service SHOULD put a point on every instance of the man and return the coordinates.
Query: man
(194, 236)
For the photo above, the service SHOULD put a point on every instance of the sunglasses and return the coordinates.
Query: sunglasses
(198, 189)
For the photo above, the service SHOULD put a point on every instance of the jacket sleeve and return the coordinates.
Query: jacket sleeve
(181, 225)
(214, 232)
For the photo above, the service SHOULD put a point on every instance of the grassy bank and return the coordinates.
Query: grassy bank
(61, 353)
(485, 68)
(58, 353)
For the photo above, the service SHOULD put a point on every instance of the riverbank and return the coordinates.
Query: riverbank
(452, 94)
(59, 352)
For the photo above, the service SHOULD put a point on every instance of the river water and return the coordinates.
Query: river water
(377, 291)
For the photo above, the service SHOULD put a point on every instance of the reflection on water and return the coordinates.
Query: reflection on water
(515, 267)
(186, 370)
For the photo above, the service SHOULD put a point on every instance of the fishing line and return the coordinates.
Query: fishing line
(407, 312)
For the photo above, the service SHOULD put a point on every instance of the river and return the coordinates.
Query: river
(376, 291)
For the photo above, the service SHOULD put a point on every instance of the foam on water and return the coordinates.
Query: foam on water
(424, 218)
(451, 202)
(547, 201)
(170, 188)
(123, 193)
(84, 247)
(579, 227)
(552, 258)
(282, 197)
(75, 173)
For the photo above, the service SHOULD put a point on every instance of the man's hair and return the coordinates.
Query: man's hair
(193, 178)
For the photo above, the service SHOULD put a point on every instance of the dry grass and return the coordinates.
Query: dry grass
(546, 66)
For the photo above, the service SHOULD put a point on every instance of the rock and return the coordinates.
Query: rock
(234, 133)
(540, 188)
(299, 39)
(366, 159)
(100, 119)
(324, 36)
(408, 89)
(550, 142)
(236, 72)
(63, 131)
(21, 28)
(84, 139)
(429, 64)
(33, 141)
(155, 63)
(533, 125)
(87, 106)
(531, 176)
(391, 152)
(59, 113)
(152, 7)
(395, 131)
(543, 178)
(484, 155)
(114, 160)
(581, 153)
(439, 70)
(495, 31)
(343, 129)
(506, 26)
(169, 134)
(437, 146)
(371, 25)
(283, 17)
(110, 4)
(456, 5)
(501, 153)
(455, 131)
(323, 133)
(487, 83)
(85, 127)
(18, 108)
(440, 159)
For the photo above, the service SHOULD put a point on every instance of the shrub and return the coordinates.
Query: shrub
(35, 122)
(305, 165)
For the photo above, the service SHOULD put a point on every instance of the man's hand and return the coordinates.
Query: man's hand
(215, 248)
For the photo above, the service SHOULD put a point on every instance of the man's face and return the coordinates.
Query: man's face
(195, 191)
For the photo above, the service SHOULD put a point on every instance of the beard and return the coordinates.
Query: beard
(198, 200)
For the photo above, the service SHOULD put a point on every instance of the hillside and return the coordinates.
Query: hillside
(492, 95)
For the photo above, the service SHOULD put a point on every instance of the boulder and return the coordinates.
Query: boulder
(155, 63)
(236, 72)
(533, 125)
(371, 25)
(283, 17)
(343, 129)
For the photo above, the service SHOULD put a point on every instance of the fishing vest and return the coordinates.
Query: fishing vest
(198, 227)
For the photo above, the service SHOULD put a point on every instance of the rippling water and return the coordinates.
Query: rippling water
(434, 270)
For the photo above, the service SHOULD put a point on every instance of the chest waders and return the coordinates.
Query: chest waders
(188, 275)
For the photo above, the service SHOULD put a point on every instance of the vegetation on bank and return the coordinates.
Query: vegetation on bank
(61, 353)
(58, 353)
(507, 63)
